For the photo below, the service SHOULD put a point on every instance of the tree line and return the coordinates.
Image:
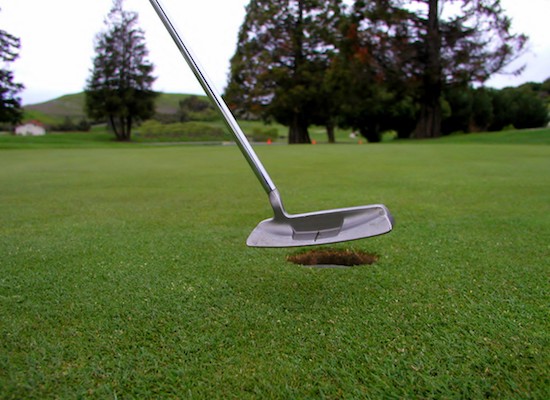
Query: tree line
(416, 68)
(413, 67)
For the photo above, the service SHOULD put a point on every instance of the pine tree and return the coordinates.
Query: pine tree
(10, 103)
(284, 48)
(367, 75)
(120, 87)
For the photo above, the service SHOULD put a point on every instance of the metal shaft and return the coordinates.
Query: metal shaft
(211, 92)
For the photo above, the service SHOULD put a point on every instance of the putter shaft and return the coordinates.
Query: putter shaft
(284, 229)
(213, 94)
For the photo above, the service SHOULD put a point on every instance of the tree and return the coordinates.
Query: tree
(368, 74)
(120, 87)
(194, 108)
(544, 91)
(440, 43)
(284, 48)
(520, 107)
(10, 103)
(470, 109)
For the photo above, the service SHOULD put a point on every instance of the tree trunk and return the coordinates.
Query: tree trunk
(128, 128)
(429, 122)
(122, 128)
(330, 131)
(372, 134)
(297, 131)
(113, 125)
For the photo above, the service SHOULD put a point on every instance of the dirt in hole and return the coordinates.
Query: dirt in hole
(333, 257)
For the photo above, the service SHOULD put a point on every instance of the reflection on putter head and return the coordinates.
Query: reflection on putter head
(322, 227)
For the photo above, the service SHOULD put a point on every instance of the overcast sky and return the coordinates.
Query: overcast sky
(57, 41)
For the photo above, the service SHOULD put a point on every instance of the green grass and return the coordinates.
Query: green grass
(124, 274)
(97, 137)
(526, 136)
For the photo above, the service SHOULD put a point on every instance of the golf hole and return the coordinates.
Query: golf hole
(332, 258)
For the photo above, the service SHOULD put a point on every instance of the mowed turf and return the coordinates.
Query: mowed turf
(124, 274)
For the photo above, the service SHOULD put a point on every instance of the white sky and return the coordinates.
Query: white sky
(57, 41)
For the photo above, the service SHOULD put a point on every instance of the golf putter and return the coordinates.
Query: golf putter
(284, 229)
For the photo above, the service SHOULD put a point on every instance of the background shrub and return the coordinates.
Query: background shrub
(264, 134)
(181, 131)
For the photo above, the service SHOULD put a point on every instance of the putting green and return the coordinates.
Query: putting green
(124, 273)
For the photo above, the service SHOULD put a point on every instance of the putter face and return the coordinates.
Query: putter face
(322, 227)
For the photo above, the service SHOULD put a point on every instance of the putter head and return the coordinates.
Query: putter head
(316, 228)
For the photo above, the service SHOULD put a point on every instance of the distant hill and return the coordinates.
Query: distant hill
(72, 106)
(168, 103)
(55, 111)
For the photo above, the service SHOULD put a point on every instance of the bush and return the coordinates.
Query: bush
(194, 108)
(520, 107)
(181, 132)
(471, 110)
(491, 109)
(263, 135)
(68, 125)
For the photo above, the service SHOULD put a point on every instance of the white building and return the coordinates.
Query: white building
(32, 128)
